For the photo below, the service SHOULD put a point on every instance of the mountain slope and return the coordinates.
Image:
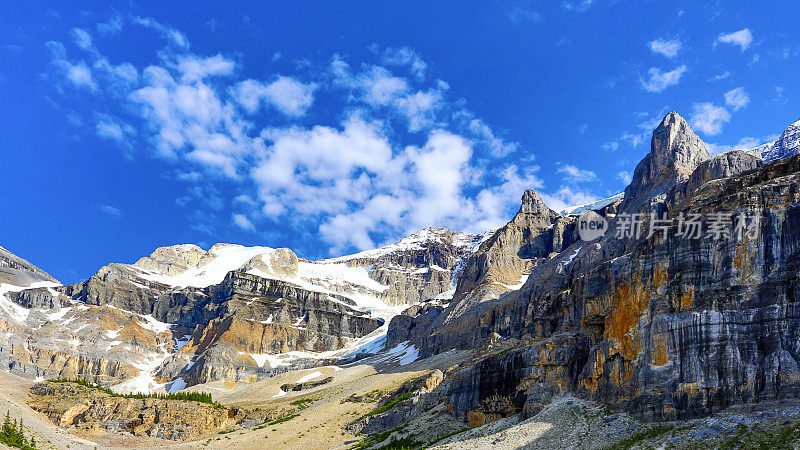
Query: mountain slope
(183, 315)
(788, 144)
(663, 327)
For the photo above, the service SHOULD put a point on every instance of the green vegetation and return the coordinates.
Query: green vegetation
(13, 434)
(201, 397)
(283, 419)
(650, 433)
(390, 404)
(764, 436)
(375, 439)
(501, 353)
(303, 403)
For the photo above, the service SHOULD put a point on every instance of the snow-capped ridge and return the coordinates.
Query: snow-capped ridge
(788, 144)
(572, 210)
(415, 241)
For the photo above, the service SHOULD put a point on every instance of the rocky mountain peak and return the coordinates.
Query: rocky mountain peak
(172, 260)
(532, 203)
(17, 271)
(788, 144)
(675, 152)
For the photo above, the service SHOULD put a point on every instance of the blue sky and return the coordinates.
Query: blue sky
(329, 127)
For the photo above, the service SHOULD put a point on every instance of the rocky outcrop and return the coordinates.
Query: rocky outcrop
(724, 165)
(38, 298)
(662, 326)
(305, 385)
(675, 153)
(19, 272)
(418, 267)
(91, 410)
(258, 316)
(281, 263)
(500, 264)
(172, 260)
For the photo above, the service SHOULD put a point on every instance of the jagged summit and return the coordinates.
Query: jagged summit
(787, 144)
(675, 152)
(416, 241)
(532, 203)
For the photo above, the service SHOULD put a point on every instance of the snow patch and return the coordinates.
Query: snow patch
(403, 353)
(309, 377)
(176, 385)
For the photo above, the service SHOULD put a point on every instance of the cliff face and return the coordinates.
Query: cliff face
(416, 268)
(19, 272)
(89, 410)
(183, 315)
(663, 326)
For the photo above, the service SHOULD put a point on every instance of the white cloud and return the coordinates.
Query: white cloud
(709, 118)
(82, 38)
(519, 15)
(241, 221)
(77, 73)
(633, 138)
(286, 94)
(498, 147)
(668, 48)
(111, 211)
(357, 181)
(380, 87)
(659, 81)
(80, 75)
(742, 38)
(111, 26)
(492, 204)
(745, 143)
(170, 34)
(420, 108)
(109, 128)
(721, 76)
(737, 98)
(193, 68)
(573, 174)
(610, 146)
(580, 6)
(625, 177)
(405, 56)
(567, 197)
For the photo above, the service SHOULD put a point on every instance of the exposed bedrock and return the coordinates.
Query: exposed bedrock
(664, 327)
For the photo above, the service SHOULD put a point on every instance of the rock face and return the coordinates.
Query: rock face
(88, 409)
(664, 327)
(500, 264)
(418, 267)
(675, 152)
(172, 260)
(19, 272)
(788, 144)
(723, 166)
(183, 315)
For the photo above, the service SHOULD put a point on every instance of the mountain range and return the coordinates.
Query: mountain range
(506, 323)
